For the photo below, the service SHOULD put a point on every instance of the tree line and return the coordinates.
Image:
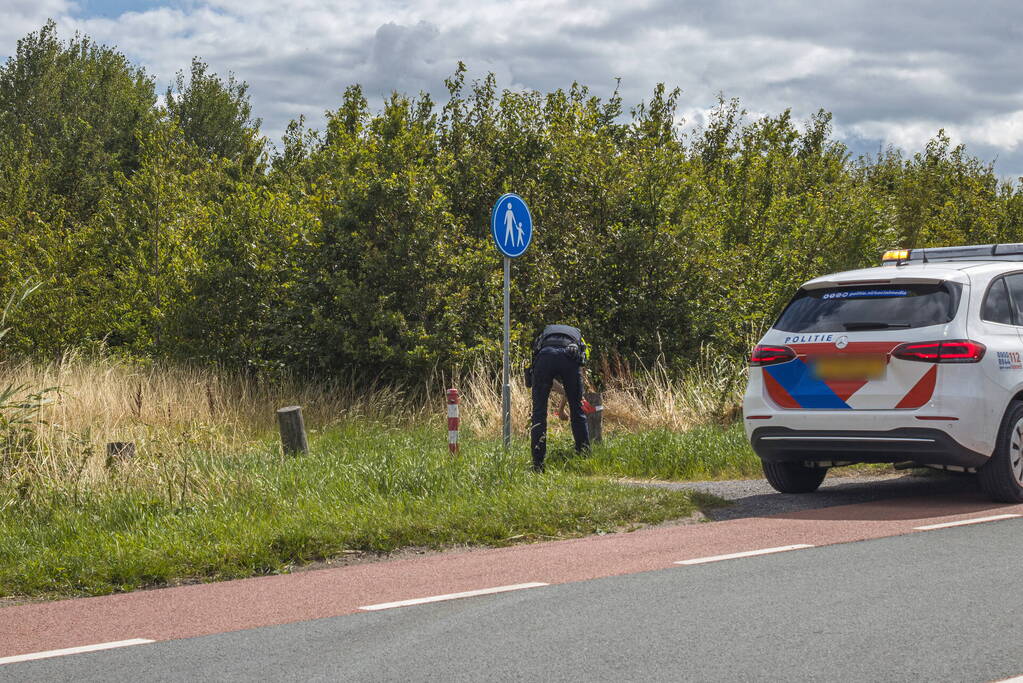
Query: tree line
(165, 225)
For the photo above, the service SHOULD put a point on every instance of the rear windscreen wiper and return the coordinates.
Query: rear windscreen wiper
(872, 325)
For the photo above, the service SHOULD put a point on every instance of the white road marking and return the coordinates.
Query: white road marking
(964, 522)
(452, 596)
(74, 650)
(748, 553)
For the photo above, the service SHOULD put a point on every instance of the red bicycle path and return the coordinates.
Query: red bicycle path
(204, 609)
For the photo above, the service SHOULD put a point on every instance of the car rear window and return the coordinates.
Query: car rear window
(870, 307)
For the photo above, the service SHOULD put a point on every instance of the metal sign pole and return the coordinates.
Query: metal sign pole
(511, 226)
(506, 404)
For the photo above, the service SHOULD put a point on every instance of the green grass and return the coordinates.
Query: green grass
(365, 487)
(701, 453)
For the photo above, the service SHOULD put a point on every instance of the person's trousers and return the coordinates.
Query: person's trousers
(556, 363)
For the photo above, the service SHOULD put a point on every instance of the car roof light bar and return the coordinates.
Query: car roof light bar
(973, 252)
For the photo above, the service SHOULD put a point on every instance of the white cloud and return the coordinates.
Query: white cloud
(895, 80)
(909, 135)
(20, 17)
(1002, 131)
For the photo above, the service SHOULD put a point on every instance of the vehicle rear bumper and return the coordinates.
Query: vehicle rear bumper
(921, 445)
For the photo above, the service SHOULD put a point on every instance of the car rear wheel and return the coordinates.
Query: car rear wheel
(793, 477)
(1002, 477)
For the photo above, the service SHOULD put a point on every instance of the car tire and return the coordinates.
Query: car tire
(793, 477)
(1001, 478)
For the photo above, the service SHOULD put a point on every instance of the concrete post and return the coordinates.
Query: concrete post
(292, 427)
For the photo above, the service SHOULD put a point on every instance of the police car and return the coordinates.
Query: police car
(916, 361)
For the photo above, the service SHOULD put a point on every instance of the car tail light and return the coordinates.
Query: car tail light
(764, 354)
(954, 351)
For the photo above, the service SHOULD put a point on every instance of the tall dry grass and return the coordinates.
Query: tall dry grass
(87, 402)
(636, 397)
(168, 410)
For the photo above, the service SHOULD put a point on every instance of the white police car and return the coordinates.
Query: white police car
(918, 360)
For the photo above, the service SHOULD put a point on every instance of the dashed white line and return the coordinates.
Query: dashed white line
(964, 522)
(748, 553)
(74, 650)
(452, 596)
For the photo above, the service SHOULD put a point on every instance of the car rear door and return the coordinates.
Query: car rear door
(843, 337)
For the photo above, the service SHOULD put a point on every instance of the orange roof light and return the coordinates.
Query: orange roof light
(896, 255)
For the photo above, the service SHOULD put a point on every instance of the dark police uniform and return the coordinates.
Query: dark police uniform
(560, 352)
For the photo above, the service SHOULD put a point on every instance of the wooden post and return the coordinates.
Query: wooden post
(292, 430)
(594, 421)
(119, 452)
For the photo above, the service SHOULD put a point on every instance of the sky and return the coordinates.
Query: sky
(890, 72)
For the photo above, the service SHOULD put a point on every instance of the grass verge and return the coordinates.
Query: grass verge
(702, 453)
(208, 495)
(365, 487)
(709, 452)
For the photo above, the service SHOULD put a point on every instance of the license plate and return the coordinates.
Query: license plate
(848, 367)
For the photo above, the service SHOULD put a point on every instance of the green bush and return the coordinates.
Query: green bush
(171, 230)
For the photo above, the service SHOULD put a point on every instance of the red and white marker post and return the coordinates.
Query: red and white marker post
(453, 420)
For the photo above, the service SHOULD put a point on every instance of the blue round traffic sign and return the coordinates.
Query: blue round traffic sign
(511, 225)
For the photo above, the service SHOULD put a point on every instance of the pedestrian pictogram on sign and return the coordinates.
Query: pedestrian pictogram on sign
(511, 225)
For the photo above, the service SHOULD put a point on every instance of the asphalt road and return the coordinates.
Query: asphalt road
(933, 606)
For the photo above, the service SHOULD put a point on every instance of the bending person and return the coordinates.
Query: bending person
(559, 353)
